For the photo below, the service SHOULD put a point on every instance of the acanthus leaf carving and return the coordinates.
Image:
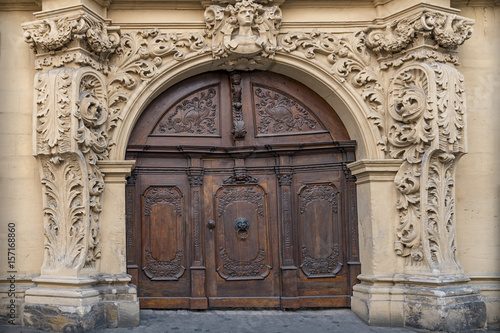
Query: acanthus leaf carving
(440, 210)
(53, 117)
(349, 61)
(64, 211)
(71, 130)
(427, 109)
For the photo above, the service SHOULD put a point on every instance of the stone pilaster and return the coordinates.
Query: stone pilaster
(425, 126)
(72, 130)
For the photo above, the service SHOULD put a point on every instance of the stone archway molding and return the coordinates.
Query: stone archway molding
(409, 115)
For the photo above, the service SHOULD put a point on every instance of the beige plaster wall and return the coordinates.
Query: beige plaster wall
(20, 189)
(478, 179)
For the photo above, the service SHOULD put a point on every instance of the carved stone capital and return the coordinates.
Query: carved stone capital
(79, 38)
(425, 27)
(246, 28)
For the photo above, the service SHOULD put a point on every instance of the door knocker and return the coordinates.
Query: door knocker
(241, 225)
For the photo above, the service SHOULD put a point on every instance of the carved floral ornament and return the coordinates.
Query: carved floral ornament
(419, 114)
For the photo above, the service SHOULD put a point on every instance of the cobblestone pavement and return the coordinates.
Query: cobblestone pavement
(270, 321)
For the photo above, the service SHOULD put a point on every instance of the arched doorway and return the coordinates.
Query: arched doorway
(241, 197)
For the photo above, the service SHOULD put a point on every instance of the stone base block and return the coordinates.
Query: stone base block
(379, 305)
(63, 318)
(79, 305)
(449, 309)
(53, 318)
(440, 308)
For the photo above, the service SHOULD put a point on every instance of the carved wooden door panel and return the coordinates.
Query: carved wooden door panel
(241, 197)
(242, 252)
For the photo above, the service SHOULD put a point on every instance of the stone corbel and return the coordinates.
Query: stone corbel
(71, 137)
(80, 38)
(422, 34)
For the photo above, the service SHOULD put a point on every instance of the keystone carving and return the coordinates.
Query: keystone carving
(246, 29)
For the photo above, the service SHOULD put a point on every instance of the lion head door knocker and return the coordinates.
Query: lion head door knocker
(241, 225)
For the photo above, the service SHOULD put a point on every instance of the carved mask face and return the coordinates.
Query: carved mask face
(245, 16)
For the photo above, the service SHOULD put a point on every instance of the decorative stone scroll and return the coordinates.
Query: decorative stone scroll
(349, 60)
(426, 104)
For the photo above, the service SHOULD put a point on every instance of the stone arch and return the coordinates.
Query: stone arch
(343, 98)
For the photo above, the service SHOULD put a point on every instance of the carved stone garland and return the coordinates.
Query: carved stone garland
(425, 121)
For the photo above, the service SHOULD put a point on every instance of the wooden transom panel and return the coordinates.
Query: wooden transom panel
(241, 197)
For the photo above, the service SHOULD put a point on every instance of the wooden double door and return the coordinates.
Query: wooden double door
(241, 197)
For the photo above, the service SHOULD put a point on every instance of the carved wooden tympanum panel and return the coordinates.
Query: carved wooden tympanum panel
(245, 200)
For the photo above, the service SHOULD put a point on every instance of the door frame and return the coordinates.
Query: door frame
(291, 302)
